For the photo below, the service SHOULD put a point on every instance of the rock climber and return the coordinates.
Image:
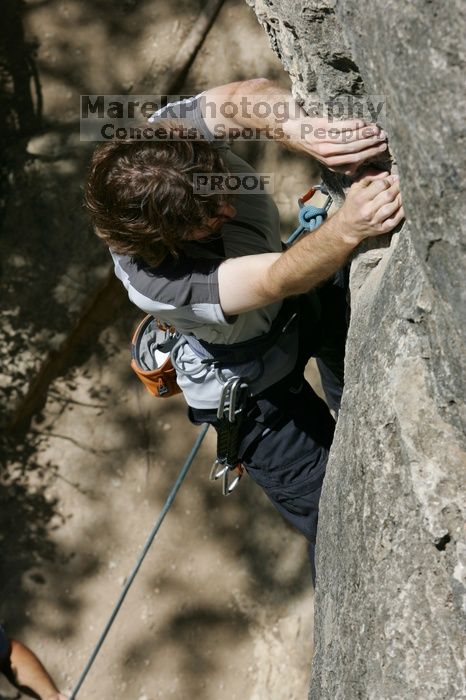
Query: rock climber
(24, 670)
(212, 265)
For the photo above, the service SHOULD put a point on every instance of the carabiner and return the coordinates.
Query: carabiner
(215, 472)
(228, 487)
(225, 396)
(232, 408)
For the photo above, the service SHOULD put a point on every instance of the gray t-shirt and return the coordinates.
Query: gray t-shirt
(186, 295)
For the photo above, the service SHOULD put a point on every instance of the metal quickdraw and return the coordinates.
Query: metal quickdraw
(232, 401)
(230, 413)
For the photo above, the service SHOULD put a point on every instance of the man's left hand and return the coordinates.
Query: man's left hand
(340, 145)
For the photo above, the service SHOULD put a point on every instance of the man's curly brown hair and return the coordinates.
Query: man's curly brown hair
(140, 194)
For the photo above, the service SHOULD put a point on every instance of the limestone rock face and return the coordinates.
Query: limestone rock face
(391, 549)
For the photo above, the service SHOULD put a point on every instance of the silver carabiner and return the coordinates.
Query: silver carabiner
(328, 202)
(227, 486)
(219, 470)
(216, 472)
(232, 409)
(225, 396)
(228, 404)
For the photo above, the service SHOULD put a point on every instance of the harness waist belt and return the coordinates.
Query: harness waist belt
(246, 350)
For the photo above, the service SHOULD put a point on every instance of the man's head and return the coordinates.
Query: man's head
(140, 195)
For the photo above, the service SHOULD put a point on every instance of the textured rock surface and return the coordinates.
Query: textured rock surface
(390, 598)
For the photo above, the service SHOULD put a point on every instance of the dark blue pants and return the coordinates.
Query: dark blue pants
(287, 430)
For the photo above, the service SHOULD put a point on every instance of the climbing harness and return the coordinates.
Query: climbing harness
(171, 497)
(310, 216)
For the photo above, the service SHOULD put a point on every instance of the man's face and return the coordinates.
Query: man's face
(225, 211)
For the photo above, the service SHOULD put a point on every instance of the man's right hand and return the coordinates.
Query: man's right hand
(372, 207)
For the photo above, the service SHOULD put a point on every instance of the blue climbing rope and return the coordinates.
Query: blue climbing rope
(137, 566)
(310, 217)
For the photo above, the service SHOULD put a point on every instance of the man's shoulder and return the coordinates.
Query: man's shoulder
(189, 112)
(172, 284)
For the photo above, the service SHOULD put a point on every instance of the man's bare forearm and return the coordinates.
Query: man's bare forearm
(257, 280)
(259, 105)
(267, 107)
(312, 260)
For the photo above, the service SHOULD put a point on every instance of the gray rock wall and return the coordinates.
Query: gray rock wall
(392, 558)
